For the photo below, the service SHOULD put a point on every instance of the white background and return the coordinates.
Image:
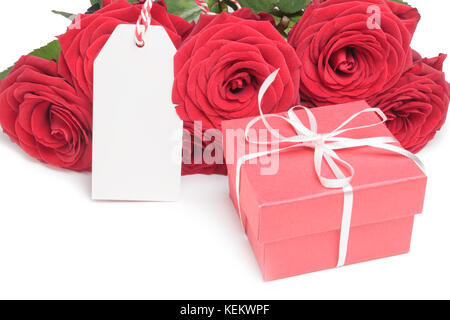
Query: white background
(57, 243)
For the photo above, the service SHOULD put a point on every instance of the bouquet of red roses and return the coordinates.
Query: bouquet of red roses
(328, 52)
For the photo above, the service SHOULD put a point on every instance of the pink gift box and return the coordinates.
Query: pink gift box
(293, 222)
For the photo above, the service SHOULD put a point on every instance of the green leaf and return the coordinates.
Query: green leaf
(191, 14)
(292, 6)
(402, 2)
(259, 5)
(50, 51)
(67, 15)
(181, 7)
(5, 73)
(217, 6)
(277, 7)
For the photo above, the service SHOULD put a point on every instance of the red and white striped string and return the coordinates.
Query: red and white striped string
(143, 23)
(145, 18)
(205, 8)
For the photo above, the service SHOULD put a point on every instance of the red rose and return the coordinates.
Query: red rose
(45, 116)
(108, 2)
(221, 65)
(352, 50)
(246, 13)
(417, 105)
(219, 69)
(86, 37)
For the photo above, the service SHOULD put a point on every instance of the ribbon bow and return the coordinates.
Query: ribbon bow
(324, 146)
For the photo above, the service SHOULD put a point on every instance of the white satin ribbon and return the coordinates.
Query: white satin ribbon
(323, 146)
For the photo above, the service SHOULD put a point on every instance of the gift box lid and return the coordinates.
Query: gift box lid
(292, 202)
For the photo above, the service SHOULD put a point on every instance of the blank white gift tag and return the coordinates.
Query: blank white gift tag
(137, 135)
